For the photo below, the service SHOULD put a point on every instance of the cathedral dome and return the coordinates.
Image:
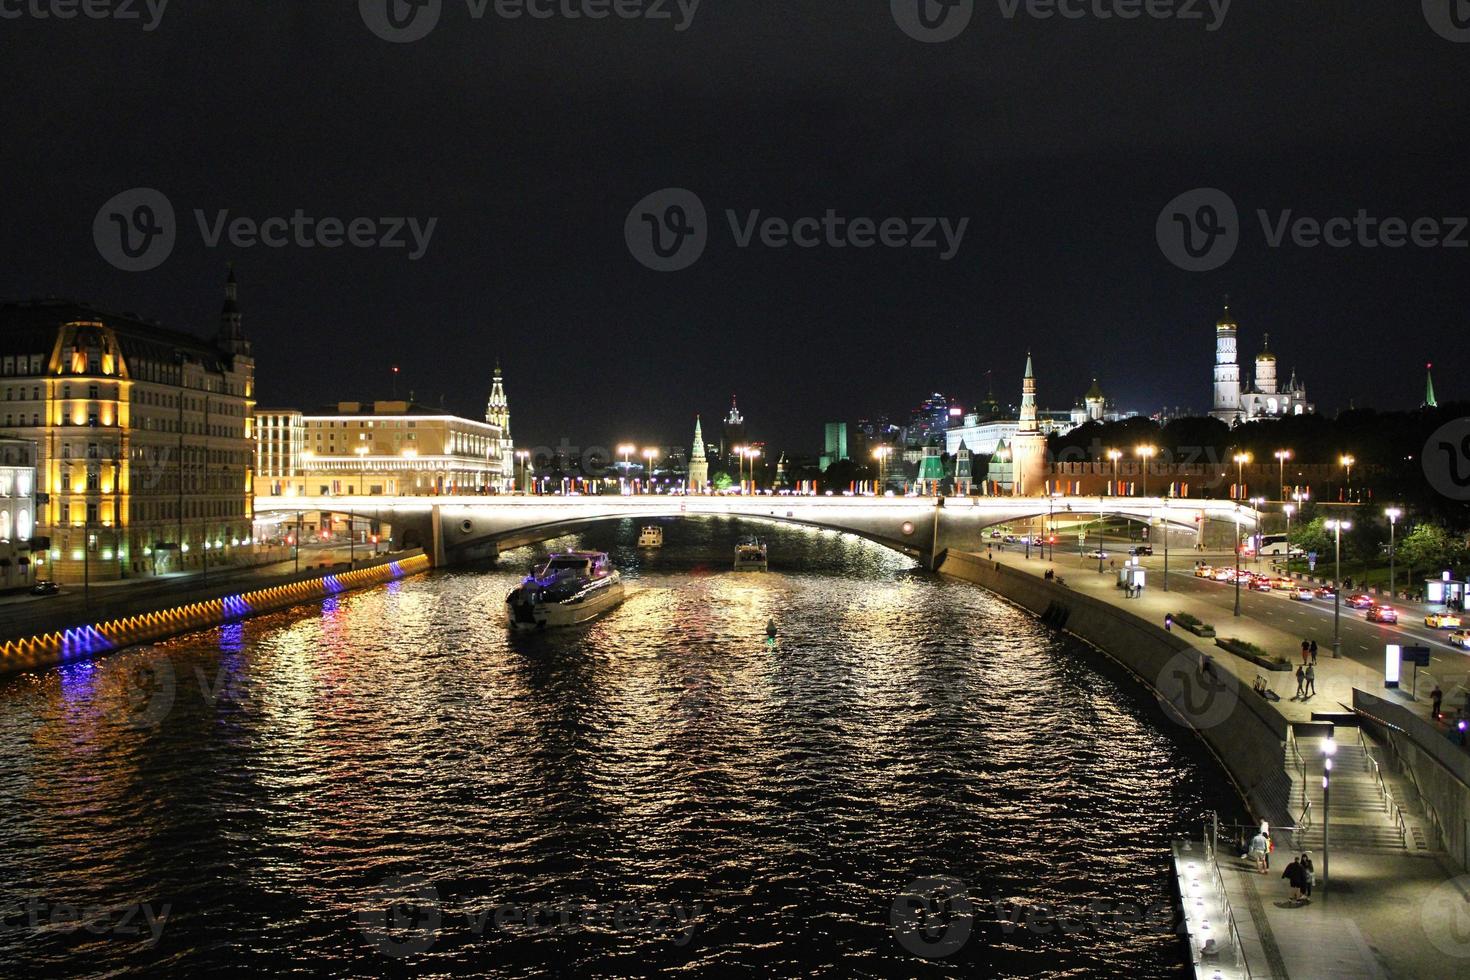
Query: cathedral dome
(1226, 321)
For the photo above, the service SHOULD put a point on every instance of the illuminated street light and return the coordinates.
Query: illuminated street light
(1115, 455)
(1329, 749)
(524, 455)
(1282, 455)
(1145, 453)
(1347, 461)
(1240, 460)
(650, 455)
(881, 454)
(1288, 509)
(1393, 514)
(1337, 528)
(1258, 503)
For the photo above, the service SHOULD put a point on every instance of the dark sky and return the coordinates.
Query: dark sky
(531, 140)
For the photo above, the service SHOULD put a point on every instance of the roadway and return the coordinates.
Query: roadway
(1362, 641)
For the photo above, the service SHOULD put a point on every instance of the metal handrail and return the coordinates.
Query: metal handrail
(1212, 830)
(1390, 805)
(1296, 750)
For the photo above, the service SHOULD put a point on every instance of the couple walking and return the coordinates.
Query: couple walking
(1301, 874)
(1309, 650)
(1306, 682)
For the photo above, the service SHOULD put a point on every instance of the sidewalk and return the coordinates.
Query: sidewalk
(1386, 913)
(1336, 677)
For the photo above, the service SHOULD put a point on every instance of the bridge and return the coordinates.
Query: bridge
(457, 529)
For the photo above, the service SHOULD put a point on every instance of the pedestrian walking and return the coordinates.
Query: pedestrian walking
(1297, 879)
(1314, 651)
(1310, 871)
(1257, 851)
(1311, 681)
(1306, 651)
(1436, 698)
(1301, 683)
(1168, 622)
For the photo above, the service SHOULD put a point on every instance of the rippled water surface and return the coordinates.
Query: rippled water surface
(663, 789)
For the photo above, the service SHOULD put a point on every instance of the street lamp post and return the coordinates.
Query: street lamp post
(1258, 503)
(1337, 527)
(1237, 559)
(1282, 455)
(1145, 453)
(1329, 749)
(1347, 462)
(1240, 460)
(1288, 509)
(523, 455)
(881, 455)
(1393, 514)
(1115, 455)
(650, 455)
(625, 450)
(1167, 498)
(752, 454)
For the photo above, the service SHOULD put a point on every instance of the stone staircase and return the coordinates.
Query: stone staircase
(1361, 817)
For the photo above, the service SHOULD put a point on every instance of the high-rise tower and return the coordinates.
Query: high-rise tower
(1429, 400)
(698, 464)
(1266, 369)
(733, 434)
(1028, 447)
(497, 413)
(1227, 369)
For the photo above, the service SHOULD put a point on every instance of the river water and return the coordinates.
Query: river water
(916, 779)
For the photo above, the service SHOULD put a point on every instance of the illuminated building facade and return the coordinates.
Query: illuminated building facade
(143, 436)
(17, 511)
(385, 448)
(1267, 397)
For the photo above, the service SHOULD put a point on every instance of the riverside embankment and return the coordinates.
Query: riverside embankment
(130, 622)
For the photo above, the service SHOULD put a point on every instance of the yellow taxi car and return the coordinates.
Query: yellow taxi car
(1442, 621)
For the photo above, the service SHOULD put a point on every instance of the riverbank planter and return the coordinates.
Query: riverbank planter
(1253, 653)
(1193, 625)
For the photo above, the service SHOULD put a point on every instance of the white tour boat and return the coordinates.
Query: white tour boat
(570, 588)
(651, 537)
(750, 556)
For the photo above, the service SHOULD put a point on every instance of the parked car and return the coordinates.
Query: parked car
(995, 534)
(1460, 638)
(1359, 600)
(45, 587)
(1443, 621)
(1382, 614)
(1304, 595)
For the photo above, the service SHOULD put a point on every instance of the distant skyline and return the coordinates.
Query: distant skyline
(527, 145)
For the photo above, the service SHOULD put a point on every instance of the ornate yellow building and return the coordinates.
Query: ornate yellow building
(143, 435)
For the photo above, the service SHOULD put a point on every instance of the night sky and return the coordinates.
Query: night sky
(531, 140)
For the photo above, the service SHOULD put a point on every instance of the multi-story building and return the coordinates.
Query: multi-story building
(17, 512)
(143, 436)
(385, 448)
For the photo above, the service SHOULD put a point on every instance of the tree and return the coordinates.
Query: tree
(1429, 546)
(721, 480)
(1312, 536)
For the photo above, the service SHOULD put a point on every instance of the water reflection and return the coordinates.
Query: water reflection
(264, 780)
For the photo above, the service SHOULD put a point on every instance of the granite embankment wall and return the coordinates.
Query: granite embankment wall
(96, 639)
(1245, 732)
(1438, 769)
